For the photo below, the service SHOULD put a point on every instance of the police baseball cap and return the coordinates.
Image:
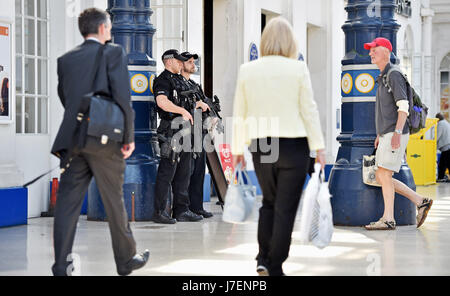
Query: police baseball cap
(380, 41)
(173, 54)
(189, 55)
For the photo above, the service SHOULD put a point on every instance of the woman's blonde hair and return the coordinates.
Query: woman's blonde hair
(278, 39)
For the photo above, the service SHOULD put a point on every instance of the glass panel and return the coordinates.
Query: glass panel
(29, 36)
(42, 77)
(42, 115)
(30, 115)
(428, 74)
(445, 91)
(19, 85)
(18, 7)
(18, 34)
(5, 97)
(444, 107)
(417, 73)
(42, 8)
(445, 63)
(444, 100)
(42, 38)
(175, 2)
(29, 7)
(19, 114)
(159, 23)
(172, 28)
(444, 77)
(29, 76)
(406, 67)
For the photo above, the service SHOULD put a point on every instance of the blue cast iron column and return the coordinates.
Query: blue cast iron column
(353, 202)
(132, 29)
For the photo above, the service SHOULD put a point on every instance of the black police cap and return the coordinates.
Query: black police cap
(173, 54)
(189, 55)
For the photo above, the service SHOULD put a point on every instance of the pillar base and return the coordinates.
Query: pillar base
(357, 204)
(139, 179)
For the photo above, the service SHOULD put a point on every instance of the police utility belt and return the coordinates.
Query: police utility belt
(168, 149)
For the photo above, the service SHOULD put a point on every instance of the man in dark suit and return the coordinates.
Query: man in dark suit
(105, 162)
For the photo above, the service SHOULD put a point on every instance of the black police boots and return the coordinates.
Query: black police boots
(163, 218)
(204, 213)
(188, 216)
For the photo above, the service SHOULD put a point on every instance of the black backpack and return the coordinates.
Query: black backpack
(418, 111)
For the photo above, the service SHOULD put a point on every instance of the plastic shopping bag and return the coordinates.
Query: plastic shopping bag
(322, 228)
(309, 205)
(368, 170)
(239, 199)
(316, 214)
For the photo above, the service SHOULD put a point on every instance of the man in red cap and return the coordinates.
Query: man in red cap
(391, 112)
(380, 41)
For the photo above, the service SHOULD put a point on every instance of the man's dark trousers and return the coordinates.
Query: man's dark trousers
(444, 164)
(176, 175)
(107, 165)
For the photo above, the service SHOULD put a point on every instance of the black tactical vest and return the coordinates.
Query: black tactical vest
(177, 86)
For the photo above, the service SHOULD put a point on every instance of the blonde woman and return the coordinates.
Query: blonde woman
(275, 113)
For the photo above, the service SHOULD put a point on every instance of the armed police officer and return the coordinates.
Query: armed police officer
(199, 158)
(175, 165)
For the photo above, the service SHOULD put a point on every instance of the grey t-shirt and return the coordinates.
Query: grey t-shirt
(386, 110)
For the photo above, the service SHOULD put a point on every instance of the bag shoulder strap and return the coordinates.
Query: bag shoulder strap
(97, 64)
(38, 178)
(85, 102)
(387, 77)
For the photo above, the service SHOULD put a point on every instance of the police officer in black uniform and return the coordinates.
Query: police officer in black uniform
(175, 166)
(199, 159)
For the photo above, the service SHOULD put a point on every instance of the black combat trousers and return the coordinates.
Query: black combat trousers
(196, 183)
(177, 175)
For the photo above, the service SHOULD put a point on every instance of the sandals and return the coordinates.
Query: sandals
(381, 225)
(422, 211)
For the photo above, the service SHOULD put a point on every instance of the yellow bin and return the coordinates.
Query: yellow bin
(421, 153)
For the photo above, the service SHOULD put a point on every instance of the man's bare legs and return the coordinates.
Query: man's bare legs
(407, 192)
(389, 187)
(384, 177)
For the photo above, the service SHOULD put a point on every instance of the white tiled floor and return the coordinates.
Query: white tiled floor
(212, 247)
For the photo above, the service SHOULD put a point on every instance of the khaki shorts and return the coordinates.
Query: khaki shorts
(389, 158)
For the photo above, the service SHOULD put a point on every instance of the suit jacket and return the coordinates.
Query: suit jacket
(75, 79)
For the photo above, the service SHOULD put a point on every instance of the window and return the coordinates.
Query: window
(32, 66)
(406, 54)
(403, 7)
(445, 86)
(169, 18)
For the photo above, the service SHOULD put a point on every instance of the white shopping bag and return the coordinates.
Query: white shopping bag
(239, 199)
(322, 228)
(316, 213)
(368, 170)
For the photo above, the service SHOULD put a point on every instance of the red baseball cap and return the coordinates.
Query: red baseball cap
(380, 41)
